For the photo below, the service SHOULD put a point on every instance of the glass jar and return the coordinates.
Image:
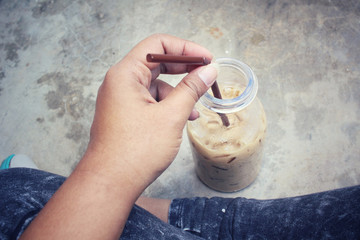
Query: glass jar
(228, 158)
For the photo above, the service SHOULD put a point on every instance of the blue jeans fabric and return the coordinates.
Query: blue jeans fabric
(328, 215)
(24, 192)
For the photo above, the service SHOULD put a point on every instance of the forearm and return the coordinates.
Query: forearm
(93, 203)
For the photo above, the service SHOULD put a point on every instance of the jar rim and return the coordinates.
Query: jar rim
(240, 102)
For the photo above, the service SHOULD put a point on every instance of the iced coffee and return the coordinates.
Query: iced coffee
(228, 158)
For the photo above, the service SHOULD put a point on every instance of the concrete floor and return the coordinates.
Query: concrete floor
(306, 54)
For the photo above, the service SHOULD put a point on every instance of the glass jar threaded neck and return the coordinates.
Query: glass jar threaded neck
(236, 74)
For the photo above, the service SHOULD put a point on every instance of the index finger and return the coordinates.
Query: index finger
(166, 44)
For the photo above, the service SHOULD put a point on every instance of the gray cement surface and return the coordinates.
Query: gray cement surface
(306, 54)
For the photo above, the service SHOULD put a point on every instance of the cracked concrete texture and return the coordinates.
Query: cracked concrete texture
(54, 55)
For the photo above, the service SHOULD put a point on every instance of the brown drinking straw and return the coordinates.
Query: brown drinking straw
(216, 91)
(188, 60)
(167, 58)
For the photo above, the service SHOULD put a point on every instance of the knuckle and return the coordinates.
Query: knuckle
(192, 89)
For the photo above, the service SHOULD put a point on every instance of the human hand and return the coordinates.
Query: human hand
(139, 119)
(135, 135)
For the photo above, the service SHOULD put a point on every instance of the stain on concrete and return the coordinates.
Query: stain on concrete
(66, 97)
(11, 52)
(77, 132)
(2, 75)
(40, 119)
(257, 38)
(49, 7)
(216, 32)
(16, 39)
(55, 100)
(22, 39)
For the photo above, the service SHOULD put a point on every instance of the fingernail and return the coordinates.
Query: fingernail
(208, 74)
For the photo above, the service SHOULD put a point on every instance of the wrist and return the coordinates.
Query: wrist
(111, 169)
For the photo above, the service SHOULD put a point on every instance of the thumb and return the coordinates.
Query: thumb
(184, 96)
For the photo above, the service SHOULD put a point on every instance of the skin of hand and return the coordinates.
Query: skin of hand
(135, 135)
(130, 121)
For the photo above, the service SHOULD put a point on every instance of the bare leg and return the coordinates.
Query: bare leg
(158, 207)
